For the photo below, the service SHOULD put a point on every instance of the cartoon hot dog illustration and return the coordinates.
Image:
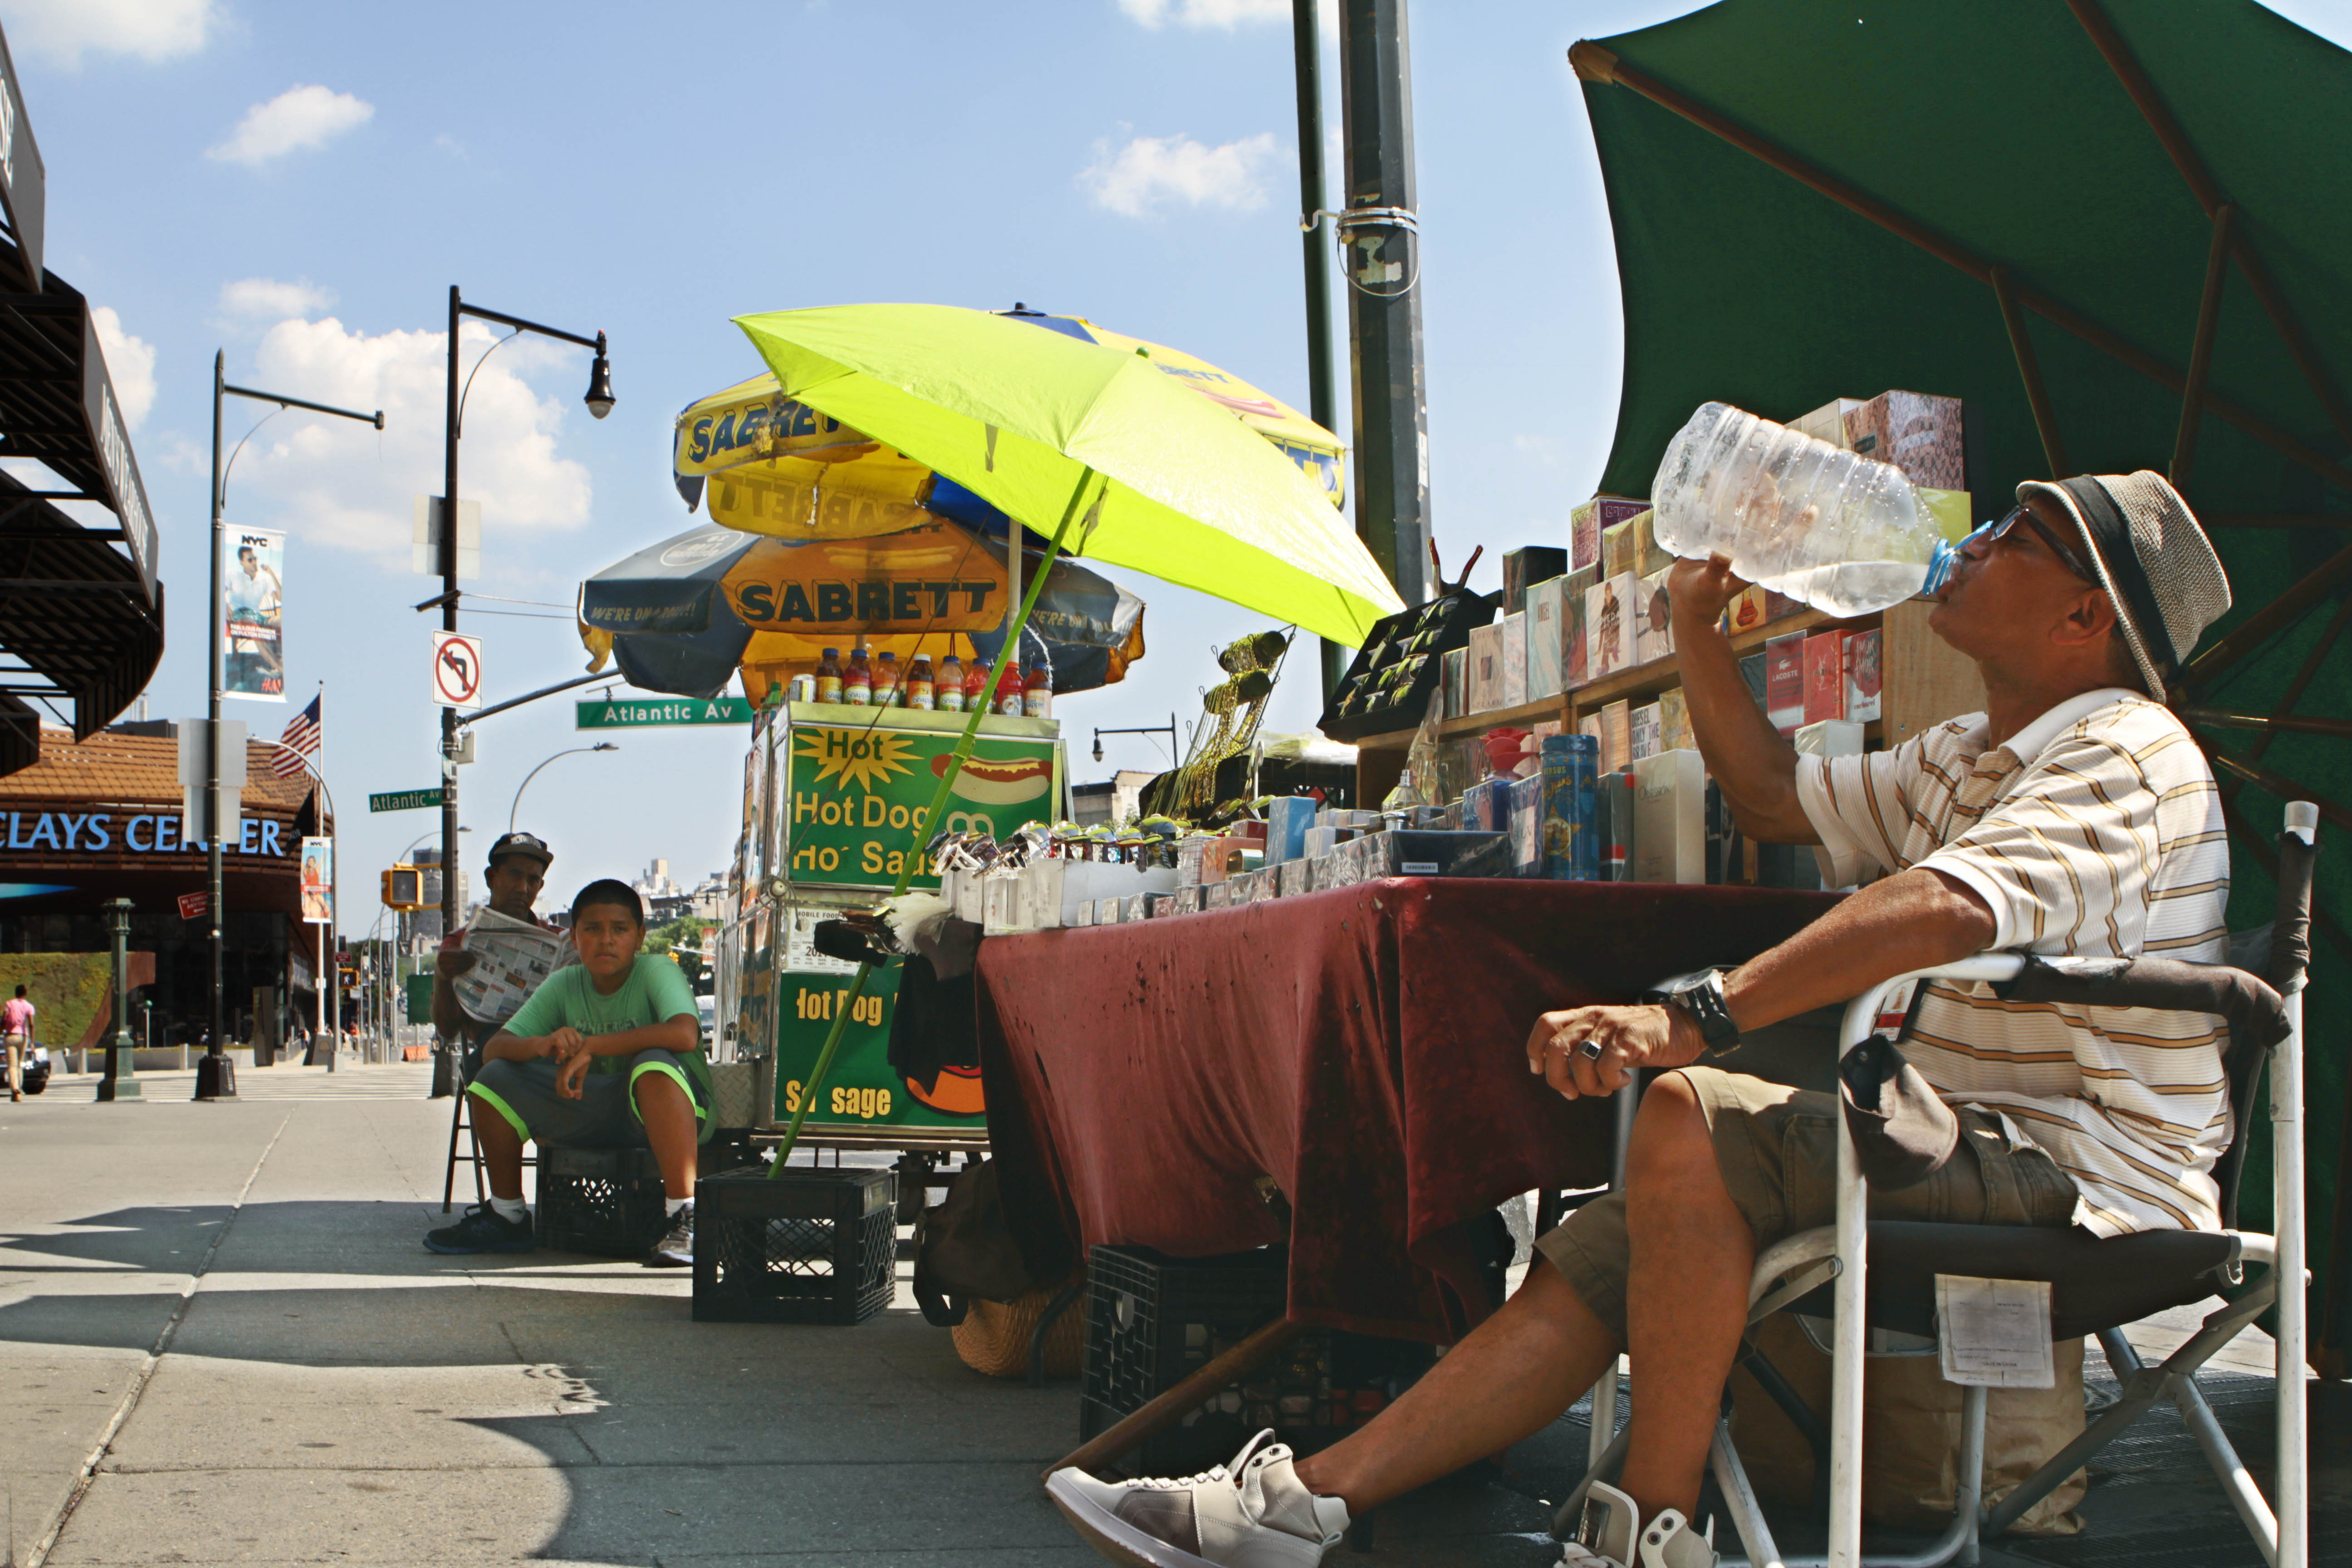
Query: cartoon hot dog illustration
(986, 782)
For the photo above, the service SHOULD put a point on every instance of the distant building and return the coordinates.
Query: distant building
(709, 901)
(664, 899)
(1110, 803)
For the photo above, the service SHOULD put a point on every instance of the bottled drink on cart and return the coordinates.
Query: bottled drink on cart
(1037, 693)
(949, 688)
(857, 680)
(1838, 531)
(886, 680)
(922, 691)
(828, 676)
(1009, 692)
(975, 684)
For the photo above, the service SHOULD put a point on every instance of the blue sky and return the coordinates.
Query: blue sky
(298, 184)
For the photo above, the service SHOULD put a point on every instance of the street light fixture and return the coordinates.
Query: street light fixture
(599, 399)
(576, 751)
(215, 1078)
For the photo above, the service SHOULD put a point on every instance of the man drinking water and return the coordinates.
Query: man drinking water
(607, 1054)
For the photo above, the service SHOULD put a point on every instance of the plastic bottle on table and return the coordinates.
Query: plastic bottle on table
(975, 683)
(923, 690)
(857, 680)
(1838, 531)
(886, 681)
(1037, 693)
(1009, 689)
(828, 676)
(948, 690)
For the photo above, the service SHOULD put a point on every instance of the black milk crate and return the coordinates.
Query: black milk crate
(606, 1200)
(1152, 1320)
(807, 1247)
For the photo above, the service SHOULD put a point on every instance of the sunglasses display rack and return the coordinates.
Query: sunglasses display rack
(1396, 672)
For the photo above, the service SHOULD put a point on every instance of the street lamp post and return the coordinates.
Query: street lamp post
(576, 751)
(215, 1078)
(599, 399)
(122, 1080)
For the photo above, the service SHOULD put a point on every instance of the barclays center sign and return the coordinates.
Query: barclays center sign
(48, 833)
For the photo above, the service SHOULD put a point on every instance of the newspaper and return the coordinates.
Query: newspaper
(1995, 1333)
(510, 958)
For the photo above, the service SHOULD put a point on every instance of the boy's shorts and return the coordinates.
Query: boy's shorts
(604, 1117)
(1777, 1147)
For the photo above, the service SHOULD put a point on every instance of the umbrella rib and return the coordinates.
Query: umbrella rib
(2208, 193)
(1595, 64)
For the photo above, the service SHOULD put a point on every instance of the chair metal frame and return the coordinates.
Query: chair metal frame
(1837, 1254)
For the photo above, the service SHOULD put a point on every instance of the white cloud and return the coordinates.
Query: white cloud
(62, 31)
(130, 361)
(297, 119)
(1225, 14)
(269, 297)
(335, 482)
(1135, 179)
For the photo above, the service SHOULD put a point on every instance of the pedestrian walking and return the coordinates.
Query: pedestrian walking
(17, 1034)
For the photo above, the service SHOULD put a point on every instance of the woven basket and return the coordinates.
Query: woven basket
(994, 1337)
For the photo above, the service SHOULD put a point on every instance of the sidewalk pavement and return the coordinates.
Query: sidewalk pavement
(326, 1390)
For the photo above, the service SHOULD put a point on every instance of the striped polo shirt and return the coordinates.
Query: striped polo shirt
(2094, 832)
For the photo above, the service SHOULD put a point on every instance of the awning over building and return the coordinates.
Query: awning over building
(78, 619)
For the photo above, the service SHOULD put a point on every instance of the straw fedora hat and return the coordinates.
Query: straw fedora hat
(2152, 558)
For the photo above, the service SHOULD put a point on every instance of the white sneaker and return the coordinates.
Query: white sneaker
(1255, 1513)
(1611, 1536)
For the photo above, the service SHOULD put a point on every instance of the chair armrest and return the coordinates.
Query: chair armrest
(2255, 1014)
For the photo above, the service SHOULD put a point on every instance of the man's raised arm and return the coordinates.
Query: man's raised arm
(1754, 767)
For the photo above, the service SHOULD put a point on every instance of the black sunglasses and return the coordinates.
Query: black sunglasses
(1992, 532)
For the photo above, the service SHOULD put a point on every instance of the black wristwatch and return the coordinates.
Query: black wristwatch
(1700, 994)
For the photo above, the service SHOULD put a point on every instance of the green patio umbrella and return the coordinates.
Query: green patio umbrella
(1091, 446)
(2119, 234)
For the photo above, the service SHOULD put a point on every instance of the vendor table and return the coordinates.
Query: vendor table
(1363, 1047)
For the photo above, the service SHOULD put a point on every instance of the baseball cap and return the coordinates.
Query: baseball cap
(526, 845)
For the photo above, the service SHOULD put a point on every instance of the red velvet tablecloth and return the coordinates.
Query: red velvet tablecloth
(1365, 1047)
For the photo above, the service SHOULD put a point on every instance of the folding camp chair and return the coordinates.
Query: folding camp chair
(1881, 1274)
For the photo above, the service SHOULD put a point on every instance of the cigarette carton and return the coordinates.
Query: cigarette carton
(1514, 659)
(1617, 736)
(1485, 669)
(1919, 434)
(1653, 630)
(1575, 671)
(1670, 818)
(1619, 550)
(1784, 682)
(1644, 736)
(1824, 675)
(1863, 681)
(1649, 555)
(1525, 567)
(1547, 621)
(1587, 522)
(1827, 423)
(1610, 612)
(1674, 732)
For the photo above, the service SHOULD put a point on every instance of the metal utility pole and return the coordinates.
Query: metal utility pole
(122, 1080)
(599, 400)
(216, 1077)
(1307, 53)
(1379, 231)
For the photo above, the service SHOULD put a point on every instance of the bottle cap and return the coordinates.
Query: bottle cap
(832, 653)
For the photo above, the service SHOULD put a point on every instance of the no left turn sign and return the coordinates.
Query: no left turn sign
(457, 670)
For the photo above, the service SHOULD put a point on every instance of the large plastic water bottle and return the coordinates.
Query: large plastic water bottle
(1835, 530)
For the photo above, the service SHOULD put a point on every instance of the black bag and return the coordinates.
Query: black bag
(1902, 1133)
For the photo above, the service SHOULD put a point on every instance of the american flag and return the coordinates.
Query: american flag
(300, 741)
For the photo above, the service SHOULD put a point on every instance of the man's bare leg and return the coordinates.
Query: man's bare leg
(500, 1146)
(1508, 1378)
(668, 1117)
(1686, 1296)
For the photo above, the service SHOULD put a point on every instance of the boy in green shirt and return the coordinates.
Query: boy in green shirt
(606, 1054)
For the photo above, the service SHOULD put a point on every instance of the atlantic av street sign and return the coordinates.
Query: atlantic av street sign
(598, 713)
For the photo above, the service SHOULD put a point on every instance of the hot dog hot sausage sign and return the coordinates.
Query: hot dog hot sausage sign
(854, 798)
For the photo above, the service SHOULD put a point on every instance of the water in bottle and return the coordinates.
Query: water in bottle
(1831, 527)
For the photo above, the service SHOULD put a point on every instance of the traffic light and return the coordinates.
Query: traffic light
(403, 887)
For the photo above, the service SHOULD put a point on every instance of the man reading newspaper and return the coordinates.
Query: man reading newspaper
(488, 967)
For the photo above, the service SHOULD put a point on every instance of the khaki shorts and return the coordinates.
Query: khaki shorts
(1777, 1147)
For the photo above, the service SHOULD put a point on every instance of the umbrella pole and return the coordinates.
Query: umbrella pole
(939, 802)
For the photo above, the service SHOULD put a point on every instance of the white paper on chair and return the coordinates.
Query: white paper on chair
(1995, 1333)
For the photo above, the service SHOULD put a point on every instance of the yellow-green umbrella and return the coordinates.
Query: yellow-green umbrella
(1017, 416)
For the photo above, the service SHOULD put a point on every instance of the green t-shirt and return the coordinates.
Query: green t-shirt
(656, 991)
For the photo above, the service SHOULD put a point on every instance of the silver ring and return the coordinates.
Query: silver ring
(1590, 1049)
